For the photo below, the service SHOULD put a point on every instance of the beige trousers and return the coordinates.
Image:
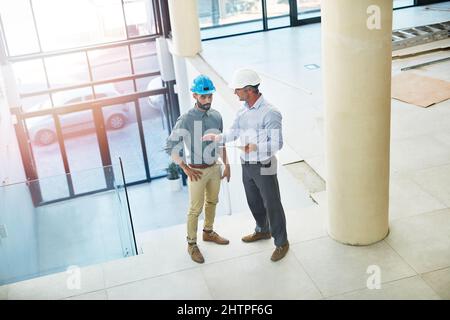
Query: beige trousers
(203, 193)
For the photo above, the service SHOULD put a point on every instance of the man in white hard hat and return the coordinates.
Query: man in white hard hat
(258, 126)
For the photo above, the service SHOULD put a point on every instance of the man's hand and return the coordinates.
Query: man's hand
(249, 148)
(211, 137)
(226, 173)
(192, 173)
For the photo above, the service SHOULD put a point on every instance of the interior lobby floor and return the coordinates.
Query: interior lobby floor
(413, 260)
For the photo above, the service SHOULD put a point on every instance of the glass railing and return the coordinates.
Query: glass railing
(43, 233)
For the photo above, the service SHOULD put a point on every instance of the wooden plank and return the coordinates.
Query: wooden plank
(419, 90)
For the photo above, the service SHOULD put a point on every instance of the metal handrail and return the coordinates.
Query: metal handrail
(128, 206)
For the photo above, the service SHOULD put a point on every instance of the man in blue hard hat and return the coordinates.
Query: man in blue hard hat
(200, 165)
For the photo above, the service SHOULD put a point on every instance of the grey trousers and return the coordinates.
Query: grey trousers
(263, 198)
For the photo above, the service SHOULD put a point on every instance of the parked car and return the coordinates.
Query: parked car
(156, 102)
(42, 129)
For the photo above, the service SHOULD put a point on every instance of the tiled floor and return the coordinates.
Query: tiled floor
(337, 268)
(439, 280)
(413, 261)
(412, 288)
(256, 277)
(423, 240)
(183, 285)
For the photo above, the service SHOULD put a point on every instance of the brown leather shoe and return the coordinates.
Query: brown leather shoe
(195, 253)
(255, 236)
(214, 237)
(280, 252)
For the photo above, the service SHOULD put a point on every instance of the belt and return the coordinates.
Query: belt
(265, 163)
(201, 166)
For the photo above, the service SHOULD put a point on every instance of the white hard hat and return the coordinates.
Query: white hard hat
(243, 78)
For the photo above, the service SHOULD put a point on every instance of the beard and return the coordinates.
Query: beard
(205, 106)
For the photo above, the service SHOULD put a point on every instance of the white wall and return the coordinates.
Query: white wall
(17, 213)
(18, 251)
(11, 168)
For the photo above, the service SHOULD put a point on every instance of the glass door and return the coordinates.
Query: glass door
(61, 144)
(82, 151)
(308, 9)
(278, 12)
(124, 130)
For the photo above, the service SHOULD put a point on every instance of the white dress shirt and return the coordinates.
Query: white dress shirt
(259, 125)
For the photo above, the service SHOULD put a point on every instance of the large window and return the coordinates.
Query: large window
(277, 13)
(219, 18)
(75, 23)
(308, 9)
(225, 17)
(403, 3)
(32, 26)
(18, 27)
(88, 76)
(139, 16)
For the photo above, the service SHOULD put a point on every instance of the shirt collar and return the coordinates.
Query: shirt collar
(200, 113)
(257, 104)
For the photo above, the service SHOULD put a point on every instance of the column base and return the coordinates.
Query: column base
(357, 243)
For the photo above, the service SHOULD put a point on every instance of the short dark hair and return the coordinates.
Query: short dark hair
(253, 88)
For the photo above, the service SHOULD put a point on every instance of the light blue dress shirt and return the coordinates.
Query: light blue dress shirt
(260, 125)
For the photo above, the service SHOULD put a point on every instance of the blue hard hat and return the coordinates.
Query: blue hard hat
(203, 85)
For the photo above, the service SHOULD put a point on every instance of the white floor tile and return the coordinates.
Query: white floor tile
(3, 292)
(160, 257)
(306, 224)
(440, 281)
(413, 288)
(302, 224)
(185, 285)
(257, 277)
(436, 181)
(97, 295)
(58, 286)
(423, 240)
(443, 137)
(127, 270)
(233, 228)
(337, 268)
(409, 121)
(407, 198)
(417, 153)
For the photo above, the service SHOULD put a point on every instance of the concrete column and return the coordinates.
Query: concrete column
(185, 27)
(11, 169)
(182, 87)
(356, 54)
(186, 42)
